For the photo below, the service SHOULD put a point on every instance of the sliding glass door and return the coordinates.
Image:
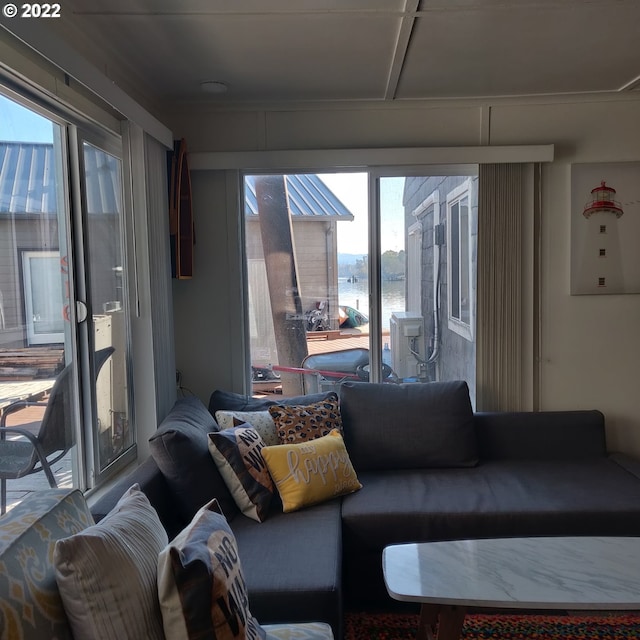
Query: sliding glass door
(360, 276)
(105, 273)
(63, 295)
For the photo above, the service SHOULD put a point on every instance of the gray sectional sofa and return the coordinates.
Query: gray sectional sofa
(431, 469)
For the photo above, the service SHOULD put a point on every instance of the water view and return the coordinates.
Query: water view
(356, 295)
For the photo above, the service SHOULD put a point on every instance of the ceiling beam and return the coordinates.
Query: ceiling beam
(400, 50)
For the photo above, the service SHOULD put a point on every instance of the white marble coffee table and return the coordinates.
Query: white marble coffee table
(524, 573)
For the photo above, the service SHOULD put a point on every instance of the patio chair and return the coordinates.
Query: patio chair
(19, 458)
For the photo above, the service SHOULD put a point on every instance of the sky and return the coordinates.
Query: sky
(18, 124)
(351, 190)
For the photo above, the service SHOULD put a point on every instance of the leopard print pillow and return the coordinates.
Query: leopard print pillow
(301, 423)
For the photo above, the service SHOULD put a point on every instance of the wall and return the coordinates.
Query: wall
(589, 345)
(457, 357)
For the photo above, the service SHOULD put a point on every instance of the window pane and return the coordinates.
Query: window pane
(44, 298)
(36, 346)
(307, 273)
(108, 300)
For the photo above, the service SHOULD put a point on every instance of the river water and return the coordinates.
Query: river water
(356, 295)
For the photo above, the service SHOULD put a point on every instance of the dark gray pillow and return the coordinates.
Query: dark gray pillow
(180, 448)
(229, 401)
(408, 426)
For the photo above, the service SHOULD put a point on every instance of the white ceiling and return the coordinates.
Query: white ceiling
(300, 50)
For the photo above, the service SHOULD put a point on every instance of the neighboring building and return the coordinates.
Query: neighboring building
(441, 214)
(314, 211)
(32, 266)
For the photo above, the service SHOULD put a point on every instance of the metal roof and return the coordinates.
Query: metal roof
(27, 185)
(309, 197)
(28, 179)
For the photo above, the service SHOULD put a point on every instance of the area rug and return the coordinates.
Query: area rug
(393, 626)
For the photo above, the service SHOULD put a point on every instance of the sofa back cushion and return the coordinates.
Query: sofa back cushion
(408, 426)
(541, 435)
(230, 401)
(30, 603)
(180, 448)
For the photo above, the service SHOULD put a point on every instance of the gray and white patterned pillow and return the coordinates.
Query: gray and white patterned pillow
(261, 421)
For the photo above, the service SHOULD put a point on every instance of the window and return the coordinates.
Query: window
(459, 261)
(63, 293)
(343, 286)
(43, 297)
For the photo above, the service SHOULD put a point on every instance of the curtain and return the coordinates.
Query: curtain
(499, 322)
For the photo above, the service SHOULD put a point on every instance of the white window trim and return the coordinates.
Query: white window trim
(454, 324)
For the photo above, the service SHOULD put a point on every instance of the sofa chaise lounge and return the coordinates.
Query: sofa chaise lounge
(430, 469)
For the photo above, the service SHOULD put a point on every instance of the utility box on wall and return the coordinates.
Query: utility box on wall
(406, 330)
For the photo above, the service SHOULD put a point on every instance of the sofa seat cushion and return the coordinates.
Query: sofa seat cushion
(494, 499)
(31, 606)
(292, 564)
(408, 426)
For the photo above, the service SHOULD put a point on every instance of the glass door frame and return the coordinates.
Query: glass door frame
(112, 145)
(375, 175)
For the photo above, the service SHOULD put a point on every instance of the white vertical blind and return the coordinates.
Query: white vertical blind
(500, 302)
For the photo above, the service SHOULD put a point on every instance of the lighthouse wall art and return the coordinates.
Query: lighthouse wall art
(605, 228)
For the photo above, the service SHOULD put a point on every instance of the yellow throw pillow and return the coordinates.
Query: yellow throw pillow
(311, 472)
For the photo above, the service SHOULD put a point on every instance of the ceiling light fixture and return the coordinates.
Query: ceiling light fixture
(213, 86)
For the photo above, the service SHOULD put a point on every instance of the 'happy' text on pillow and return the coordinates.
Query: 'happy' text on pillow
(318, 466)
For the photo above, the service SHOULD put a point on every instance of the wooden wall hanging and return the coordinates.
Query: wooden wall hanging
(180, 213)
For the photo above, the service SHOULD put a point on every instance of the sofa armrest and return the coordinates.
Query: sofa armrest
(541, 435)
(627, 462)
(155, 487)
